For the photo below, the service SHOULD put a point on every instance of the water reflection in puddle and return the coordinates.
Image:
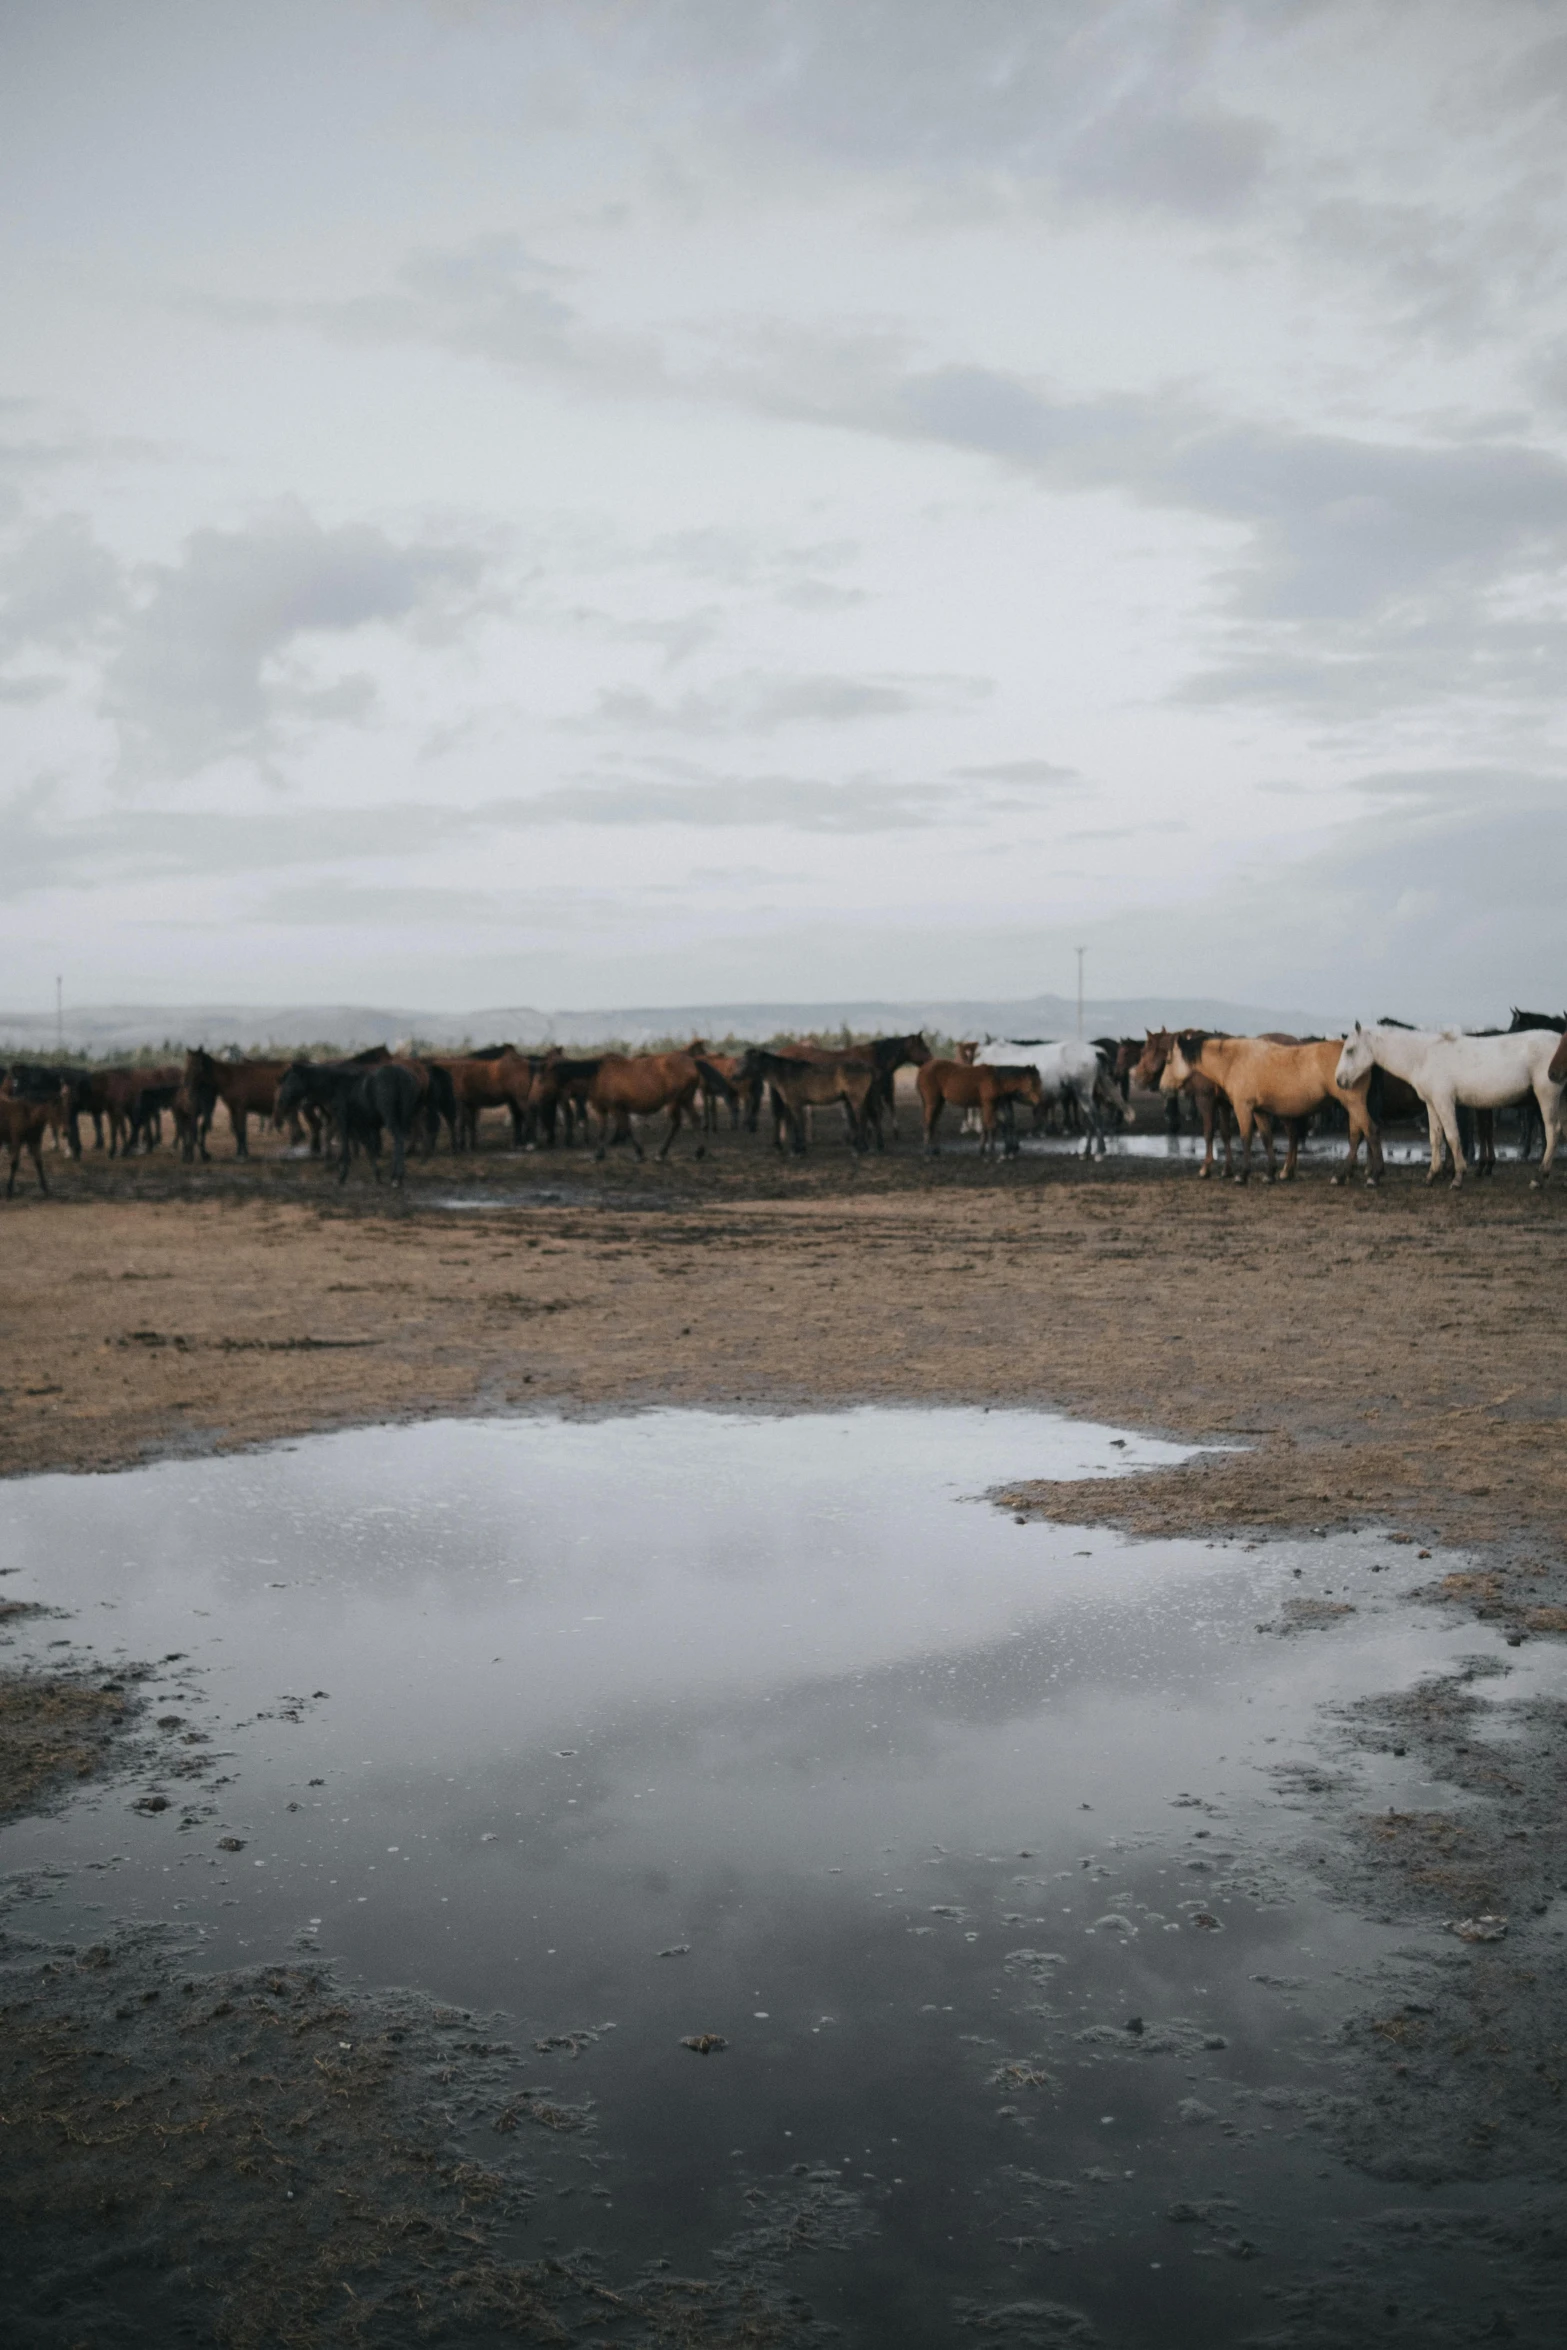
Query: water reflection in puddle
(681, 1724)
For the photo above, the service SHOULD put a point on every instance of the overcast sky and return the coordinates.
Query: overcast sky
(663, 500)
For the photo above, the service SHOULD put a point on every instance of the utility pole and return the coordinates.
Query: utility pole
(1081, 952)
(59, 1013)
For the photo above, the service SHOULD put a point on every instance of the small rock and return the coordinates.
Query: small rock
(675, 1950)
(1484, 1928)
(151, 1803)
(231, 1843)
(1194, 2113)
(704, 2043)
(1209, 1923)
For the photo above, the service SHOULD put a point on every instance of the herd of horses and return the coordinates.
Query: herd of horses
(1237, 1086)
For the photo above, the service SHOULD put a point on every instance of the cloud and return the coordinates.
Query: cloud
(210, 659)
(761, 702)
(863, 804)
(1085, 97)
(57, 589)
(490, 298)
(1038, 774)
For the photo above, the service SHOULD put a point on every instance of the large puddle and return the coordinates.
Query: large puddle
(966, 1836)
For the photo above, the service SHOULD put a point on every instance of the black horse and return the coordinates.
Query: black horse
(360, 1101)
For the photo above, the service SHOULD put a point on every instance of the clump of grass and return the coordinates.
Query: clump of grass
(55, 1729)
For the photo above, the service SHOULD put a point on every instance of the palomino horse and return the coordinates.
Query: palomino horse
(1446, 1068)
(987, 1087)
(797, 1085)
(1288, 1080)
(628, 1085)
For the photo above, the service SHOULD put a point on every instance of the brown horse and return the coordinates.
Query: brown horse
(639, 1085)
(1212, 1105)
(1290, 1080)
(21, 1125)
(969, 1086)
(720, 1074)
(797, 1086)
(247, 1089)
(501, 1080)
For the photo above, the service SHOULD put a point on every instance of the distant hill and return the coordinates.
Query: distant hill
(115, 1028)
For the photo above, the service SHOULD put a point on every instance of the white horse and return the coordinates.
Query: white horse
(1446, 1068)
(1067, 1072)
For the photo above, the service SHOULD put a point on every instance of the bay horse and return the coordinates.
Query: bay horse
(1446, 1068)
(987, 1087)
(497, 1079)
(797, 1085)
(561, 1088)
(247, 1089)
(628, 1085)
(22, 1122)
(1260, 1075)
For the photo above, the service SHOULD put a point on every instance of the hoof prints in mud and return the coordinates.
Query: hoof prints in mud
(280, 2160)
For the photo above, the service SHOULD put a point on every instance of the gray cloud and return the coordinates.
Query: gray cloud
(759, 702)
(862, 804)
(490, 298)
(207, 659)
(1069, 94)
(1037, 774)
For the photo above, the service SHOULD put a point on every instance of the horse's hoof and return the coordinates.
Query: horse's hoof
(1336, 1181)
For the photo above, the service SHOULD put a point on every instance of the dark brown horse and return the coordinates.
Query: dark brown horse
(798, 1086)
(22, 1124)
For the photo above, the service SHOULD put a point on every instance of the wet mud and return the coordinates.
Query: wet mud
(1287, 2070)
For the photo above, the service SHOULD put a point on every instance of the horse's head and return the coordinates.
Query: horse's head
(1177, 1068)
(292, 1087)
(1355, 1060)
(916, 1051)
(967, 1053)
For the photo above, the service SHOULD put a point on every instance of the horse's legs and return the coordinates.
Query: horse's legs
(932, 1121)
(1243, 1118)
(1207, 1110)
(1445, 1109)
(1549, 1098)
(16, 1160)
(1485, 1142)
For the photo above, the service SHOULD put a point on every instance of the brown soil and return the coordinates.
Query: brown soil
(1389, 1355)
(54, 1730)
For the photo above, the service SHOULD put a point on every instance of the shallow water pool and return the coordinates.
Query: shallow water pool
(966, 1836)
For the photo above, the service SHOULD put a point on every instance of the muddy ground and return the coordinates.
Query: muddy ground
(1393, 1357)
(1398, 1353)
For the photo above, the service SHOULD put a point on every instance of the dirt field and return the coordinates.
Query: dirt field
(1392, 1355)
